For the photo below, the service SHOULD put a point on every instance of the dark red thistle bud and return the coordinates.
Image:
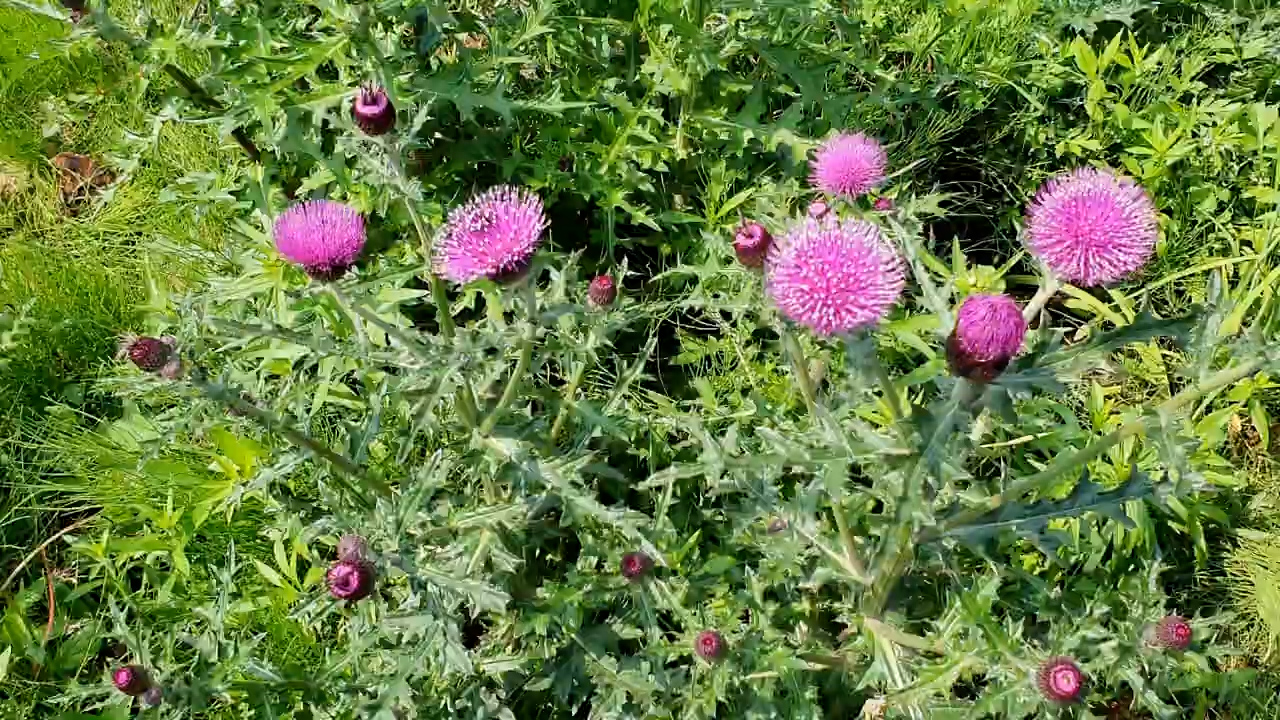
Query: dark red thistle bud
(709, 645)
(988, 334)
(883, 204)
(818, 209)
(636, 565)
(148, 353)
(751, 242)
(1171, 633)
(131, 680)
(372, 111)
(602, 292)
(1060, 680)
(350, 580)
(153, 696)
(353, 548)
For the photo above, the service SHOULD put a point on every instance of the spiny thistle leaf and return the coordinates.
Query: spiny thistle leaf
(1031, 520)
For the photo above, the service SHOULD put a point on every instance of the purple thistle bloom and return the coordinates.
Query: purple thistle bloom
(636, 565)
(131, 680)
(492, 236)
(372, 111)
(1091, 227)
(602, 291)
(1172, 633)
(988, 333)
(322, 236)
(1060, 680)
(751, 243)
(709, 645)
(833, 275)
(848, 164)
(350, 580)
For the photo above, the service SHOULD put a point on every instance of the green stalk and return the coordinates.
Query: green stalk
(801, 371)
(1048, 286)
(348, 470)
(1090, 452)
(522, 365)
(569, 392)
(466, 397)
(846, 538)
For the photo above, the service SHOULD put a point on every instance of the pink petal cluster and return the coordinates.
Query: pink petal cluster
(493, 235)
(322, 236)
(849, 164)
(1060, 680)
(1172, 633)
(1091, 227)
(372, 110)
(834, 275)
(989, 328)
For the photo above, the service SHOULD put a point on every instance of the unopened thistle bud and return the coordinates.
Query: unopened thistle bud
(602, 291)
(1060, 680)
(372, 111)
(131, 680)
(351, 581)
(709, 645)
(751, 243)
(636, 565)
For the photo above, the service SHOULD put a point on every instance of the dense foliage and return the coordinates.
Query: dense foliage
(631, 478)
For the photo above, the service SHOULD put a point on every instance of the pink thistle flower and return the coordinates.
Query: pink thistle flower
(322, 236)
(751, 243)
(988, 333)
(636, 565)
(883, 204)
(1091, 227)
(1060, 680)
(492, 236)
(833, 275)
(848, 164)
(131, 680)
(602, 291)
(153, 355)
(1172, 633)
(372, 111)
(709, 645)
(350, 580)
(818, 209)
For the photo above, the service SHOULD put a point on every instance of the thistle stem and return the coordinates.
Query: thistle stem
(466, 397)
(846, 538)
(570, 391)
(1048, 286)
(801, 371)
(348, 470)
(522, 364)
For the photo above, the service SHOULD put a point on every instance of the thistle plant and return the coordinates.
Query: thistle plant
(892, 509)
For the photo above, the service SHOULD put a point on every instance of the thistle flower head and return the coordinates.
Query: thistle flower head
(372, 111)
(350, 580)
(636, 565)
(353, 548)
(493, 235)
(602, 291)
(1091, 227)
(848, 164)
(131, 680)
(322, 236)
(1060, 680)
(1172, 633)
(751, 243)
(988, 333)
(709, 645)
(833, 275)
(152, 354)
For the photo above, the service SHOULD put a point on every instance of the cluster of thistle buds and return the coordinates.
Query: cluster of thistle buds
(709, 645)
(1061, 681)
(135, 681)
